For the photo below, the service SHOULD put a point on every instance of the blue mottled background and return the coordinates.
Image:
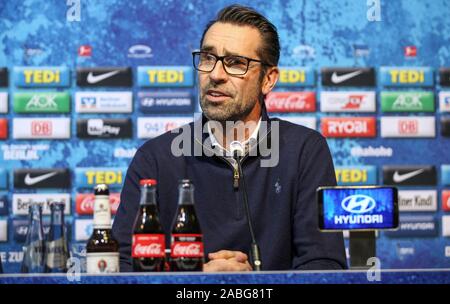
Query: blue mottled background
(38, 33)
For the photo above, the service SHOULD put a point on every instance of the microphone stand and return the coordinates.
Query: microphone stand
(254, 249)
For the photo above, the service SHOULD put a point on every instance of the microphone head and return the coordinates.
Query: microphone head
(236, 148)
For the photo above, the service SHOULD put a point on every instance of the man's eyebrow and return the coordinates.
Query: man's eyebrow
(209, 48)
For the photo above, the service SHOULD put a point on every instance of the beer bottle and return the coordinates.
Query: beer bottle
(33, 257)
(187, 238)
(148, 242)
(102, 250)
(56, 247)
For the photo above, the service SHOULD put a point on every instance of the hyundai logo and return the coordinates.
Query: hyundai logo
(358, 203)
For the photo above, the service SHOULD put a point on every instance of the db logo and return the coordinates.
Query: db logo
(85, 203)
(40, 128)
(408, 126)
(358, 203)
(187, 250)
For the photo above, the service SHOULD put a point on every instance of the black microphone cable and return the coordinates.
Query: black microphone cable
(236, 148)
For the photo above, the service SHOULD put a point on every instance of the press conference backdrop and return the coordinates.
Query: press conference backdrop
(84, 83)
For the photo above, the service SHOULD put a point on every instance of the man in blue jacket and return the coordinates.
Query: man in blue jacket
(283, 163)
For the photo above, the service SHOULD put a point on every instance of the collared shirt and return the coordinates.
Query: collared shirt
(246, 144)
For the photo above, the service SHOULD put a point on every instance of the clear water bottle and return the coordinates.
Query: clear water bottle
(33, 257)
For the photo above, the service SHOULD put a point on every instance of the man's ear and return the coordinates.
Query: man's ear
(270, 79)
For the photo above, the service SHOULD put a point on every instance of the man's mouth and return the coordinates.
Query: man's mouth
(216, 96)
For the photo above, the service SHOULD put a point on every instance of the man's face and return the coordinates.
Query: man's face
(224, 97)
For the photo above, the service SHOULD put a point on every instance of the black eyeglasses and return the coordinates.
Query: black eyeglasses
(233, 64)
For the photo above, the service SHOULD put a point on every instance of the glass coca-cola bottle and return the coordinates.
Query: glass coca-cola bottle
(187, 238)
(56, 247)
(34, 250)
(148, 242)
(102, 250)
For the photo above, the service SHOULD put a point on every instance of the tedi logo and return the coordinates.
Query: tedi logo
(358, 203)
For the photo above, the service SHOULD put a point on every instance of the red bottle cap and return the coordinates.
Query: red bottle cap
(148, 182)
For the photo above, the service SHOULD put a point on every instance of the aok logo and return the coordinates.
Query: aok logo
(42, 76)
(408, 126)
(42, 102)
(104, 177)
(165, 76)
(40, 128)
(408, 102)
(358, 203)
(407, 76)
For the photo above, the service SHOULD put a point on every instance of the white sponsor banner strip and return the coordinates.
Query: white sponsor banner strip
(83, 229)
(309, 122)
(446, 225)
(3, 102)
(3, 230)
(348, 101)
(149, 127)
(444, 101)
(41, 127)
(21, 202)
(417, 200)
(103, 102)
(408, 126)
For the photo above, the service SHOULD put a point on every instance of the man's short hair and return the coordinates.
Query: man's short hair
(235, 14)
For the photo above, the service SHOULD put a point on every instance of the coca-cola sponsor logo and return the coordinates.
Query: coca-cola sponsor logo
(148, 250)
(291, 102)
(182, 249)
(148, 245)
(349, 127)
(446, 200)
(85, 203)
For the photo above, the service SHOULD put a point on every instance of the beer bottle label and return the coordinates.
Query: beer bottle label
(56, 254)
(148, 246)
(187, 245)
(102, 262)
(102, 212)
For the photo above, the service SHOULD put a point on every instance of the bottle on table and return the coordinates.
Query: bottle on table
(34, 249)
(102, 250)
(56, 247)
(186, 239)
(148, 240)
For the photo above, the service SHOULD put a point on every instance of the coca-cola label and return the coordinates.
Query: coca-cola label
(148, 246)
(85, 203)
(187, 245)
(102, 262)
(291, 102)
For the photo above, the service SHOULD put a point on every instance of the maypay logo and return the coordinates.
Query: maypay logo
(358, 203)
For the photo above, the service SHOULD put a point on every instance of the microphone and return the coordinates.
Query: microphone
(238, 152)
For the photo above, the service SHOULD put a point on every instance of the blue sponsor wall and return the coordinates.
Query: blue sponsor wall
(155, 39)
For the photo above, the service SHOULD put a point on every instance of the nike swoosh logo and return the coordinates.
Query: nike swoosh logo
(34, 180)
(335, 78)
(398, 178)
(97, 78)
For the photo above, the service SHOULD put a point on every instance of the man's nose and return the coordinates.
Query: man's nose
(218, 74)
